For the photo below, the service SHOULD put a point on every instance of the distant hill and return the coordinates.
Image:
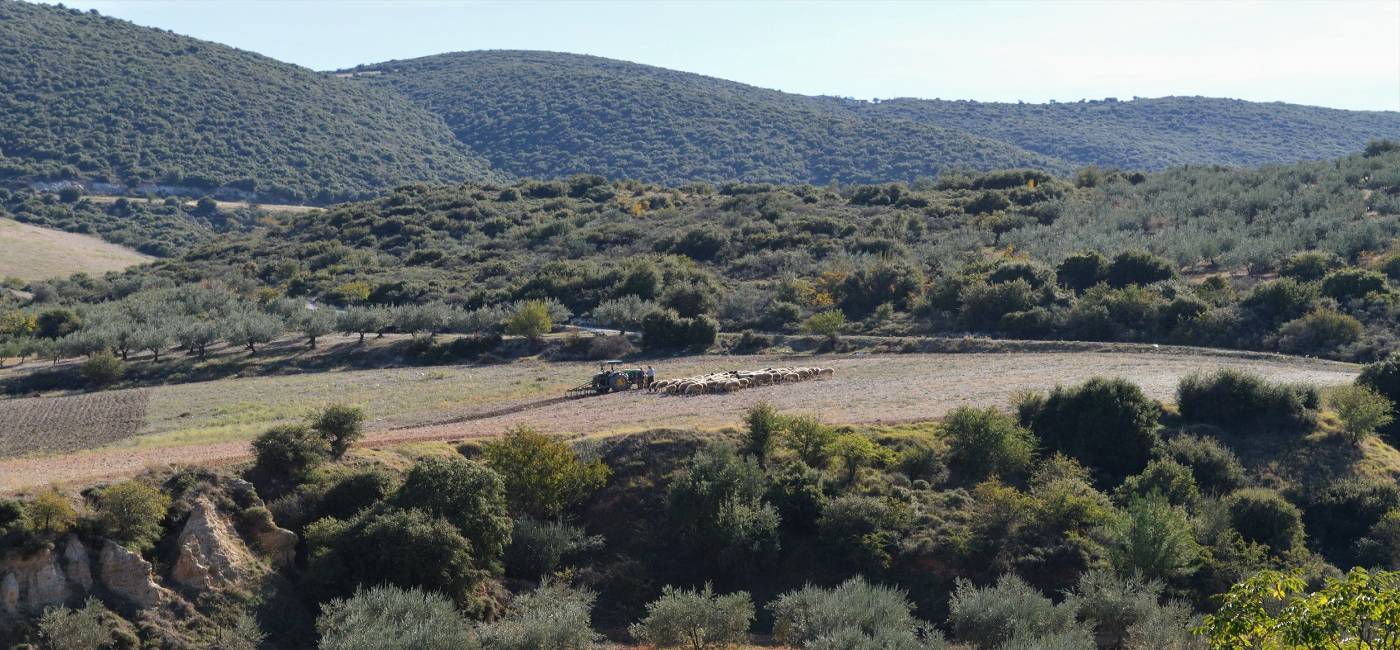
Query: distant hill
(544, 114)
(88, 97)
(1151, 134)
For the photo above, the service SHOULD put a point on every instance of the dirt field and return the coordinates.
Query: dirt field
(30, 252)
(212, 422)
(49, 425)
(223, 205)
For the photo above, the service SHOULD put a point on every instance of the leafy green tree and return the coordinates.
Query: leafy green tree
(1137, 267)
(391, 617)
(828, 323)
(695, 620)
(763, 426)
(316, 323)
(855, 451)
(340, 424)
(1215, 468)
(854, 611)
(1273, 609)
(363, 320)
(530, 320)
(103, 369)
(811, 440)
(197, 335)
(719, 519)
(1384, 378)
(1167, 478)
(252, 328)
(56, 323)
(469, 495)
(543, 476)
(131, 513)
(1363, 411)
(987, 442)
(427, 552)
(50, 512)
(1080, 271)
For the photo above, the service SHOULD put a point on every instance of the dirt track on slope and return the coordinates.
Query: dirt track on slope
(868, 389)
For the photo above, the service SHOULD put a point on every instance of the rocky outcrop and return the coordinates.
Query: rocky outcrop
(210, 552)
(128, 576)
(278, 544)
(43, 578)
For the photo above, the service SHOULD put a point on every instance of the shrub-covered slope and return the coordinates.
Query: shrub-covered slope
(1155, 133)
(87, 97)
(547, 114)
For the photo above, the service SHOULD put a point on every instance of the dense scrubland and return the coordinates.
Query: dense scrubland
(1299, 259)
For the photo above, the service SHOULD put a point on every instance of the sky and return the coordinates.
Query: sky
(1339, 53)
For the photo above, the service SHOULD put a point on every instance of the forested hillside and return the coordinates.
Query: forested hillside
(1154, 133)
(544, 114)
(88, 97)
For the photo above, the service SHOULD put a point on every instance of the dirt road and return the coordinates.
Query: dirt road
(865, 390)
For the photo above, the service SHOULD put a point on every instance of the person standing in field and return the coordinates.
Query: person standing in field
(650, 378)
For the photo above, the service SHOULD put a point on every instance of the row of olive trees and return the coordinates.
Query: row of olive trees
(196, 318)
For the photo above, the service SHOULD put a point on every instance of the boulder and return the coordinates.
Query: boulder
(278, 544)
(128, 576)
(29, 584)
(76, 565)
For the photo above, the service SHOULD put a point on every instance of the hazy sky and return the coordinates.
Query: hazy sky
(1341, 53)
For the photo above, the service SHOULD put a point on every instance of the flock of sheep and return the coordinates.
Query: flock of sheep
(732, 380)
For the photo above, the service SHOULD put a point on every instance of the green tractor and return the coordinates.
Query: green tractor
(611, 377)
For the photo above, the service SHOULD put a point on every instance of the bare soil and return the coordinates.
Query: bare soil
(50, 425)
(866, 389)
(30, 252)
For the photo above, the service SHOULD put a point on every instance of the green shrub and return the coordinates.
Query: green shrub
(1114, 604)
(290, 451)
(61, 628)
(695, 620)
(984, 305)
(539, 548)
(1390, 266)
(1137, 267)
(1381, 545)
(853, 451)
(1384, 378)
(389, 617)
(427, 552)
(103, 369)
(131, 513)
(552, 617)
(987, 442)
(854, 614)
(1353, 283)
(1236, 399)
(469, 495)
(354, 492)
(827, 323)
(543, 476)
(1279, 301)
(922, 462)
(718, 520)
(797, 492)
(663, 329)
(1344, 511)
(1107, 424)
(1321, 332)
(1216, 469)
(340, 424)
(1308, 266)
(1080, 271)
(991, 617)
(1166, 478)
(1153, 539)
(861, 531)
(1362, 411)
(1263, 516)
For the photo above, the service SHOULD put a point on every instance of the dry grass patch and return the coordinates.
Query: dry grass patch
(30, 252)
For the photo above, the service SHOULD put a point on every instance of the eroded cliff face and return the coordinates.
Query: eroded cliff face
(62, 574)
(210, 553)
